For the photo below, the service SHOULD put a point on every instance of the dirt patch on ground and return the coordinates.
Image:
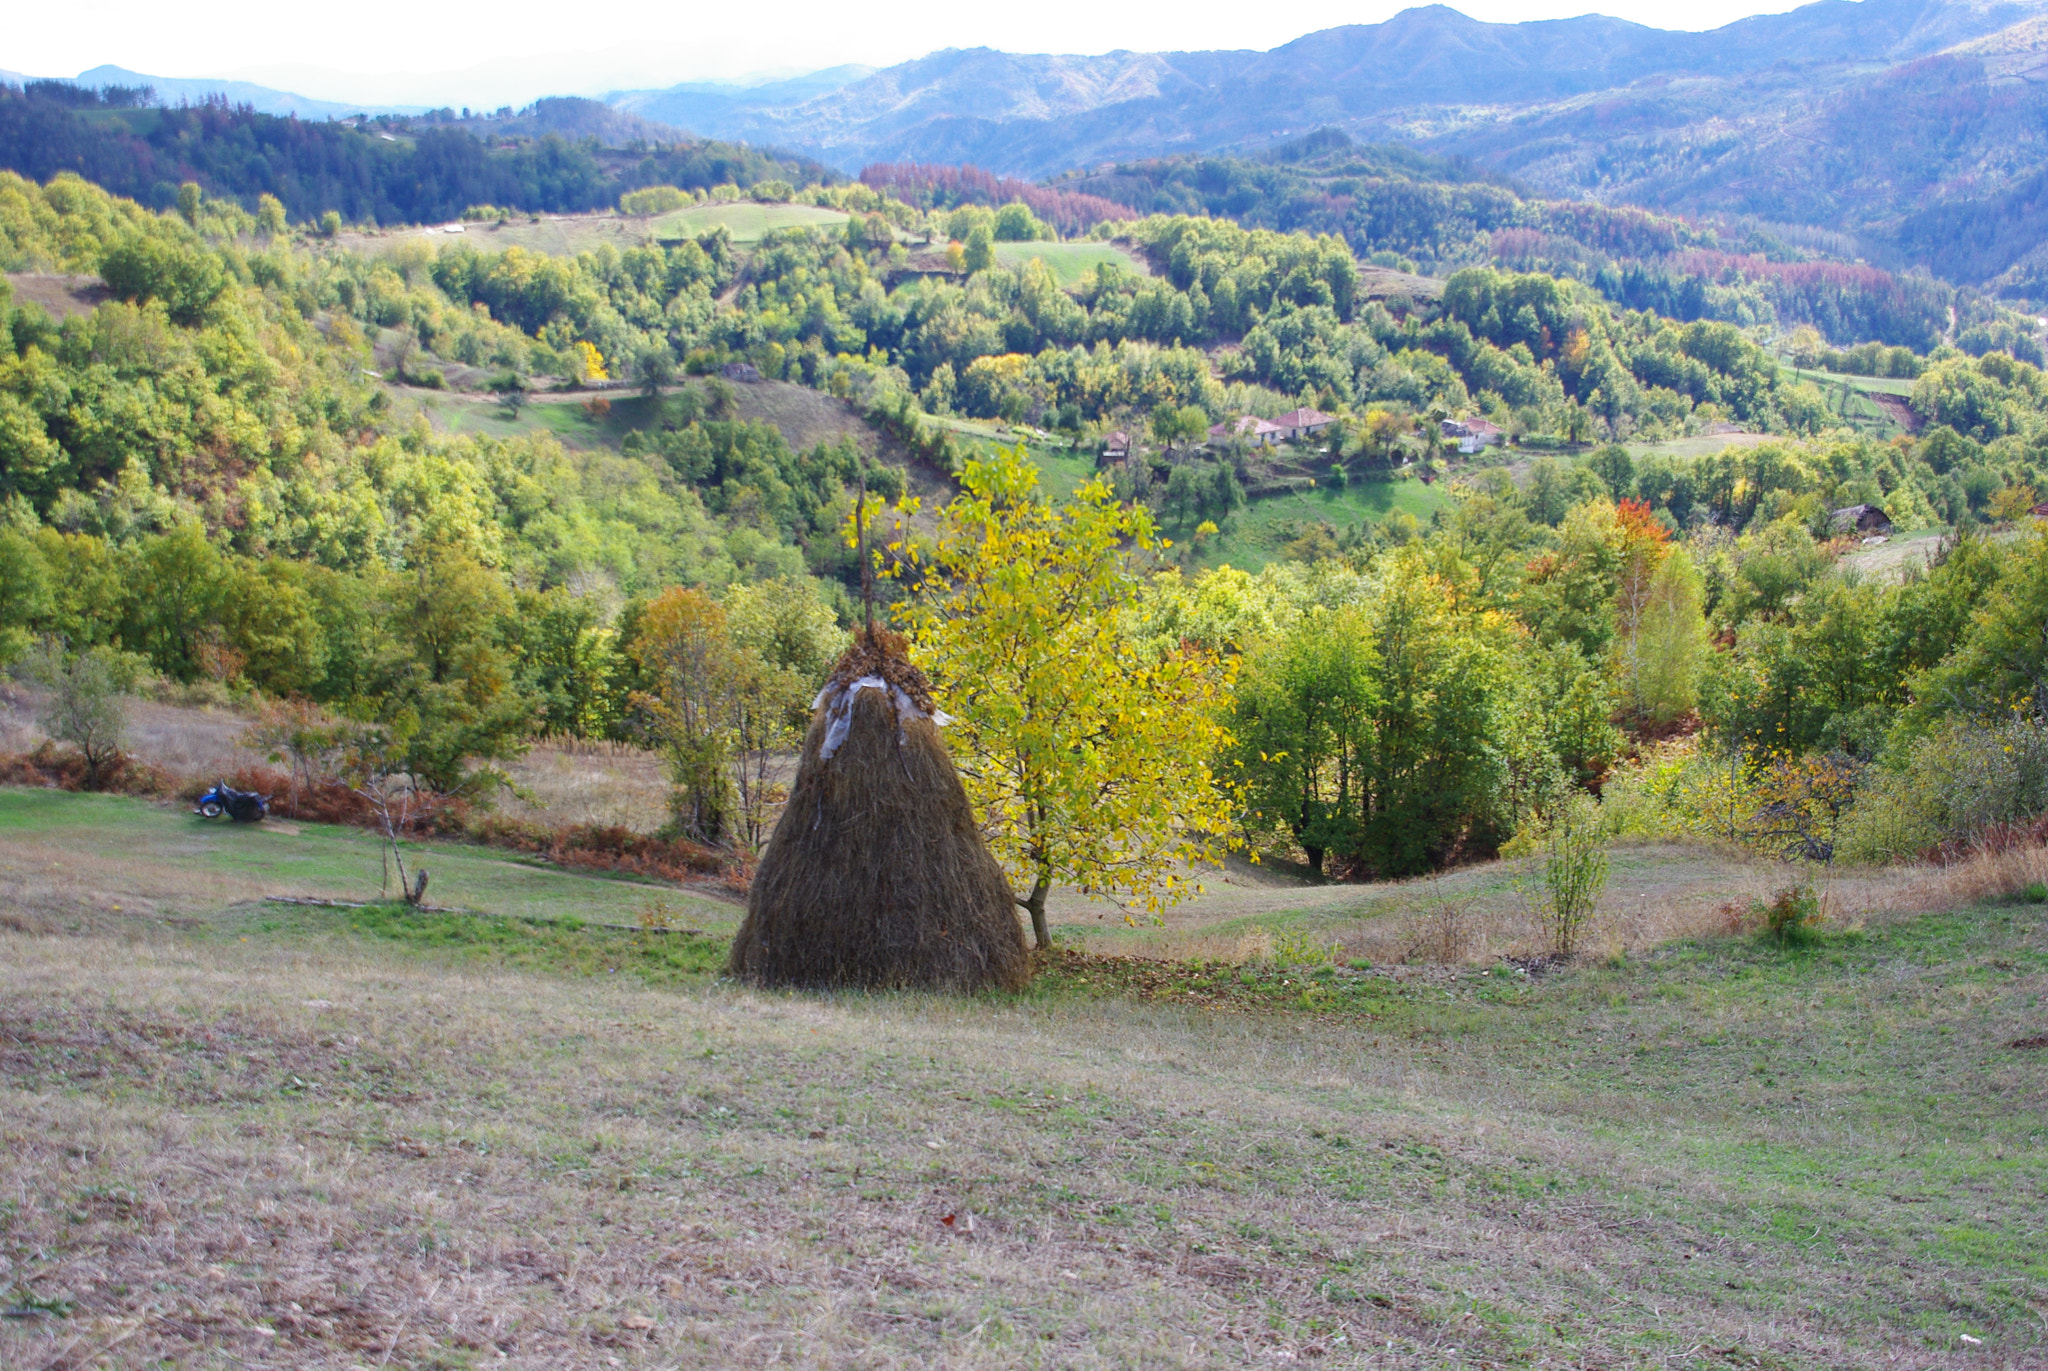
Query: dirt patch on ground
(60, 296)
(1897, 410)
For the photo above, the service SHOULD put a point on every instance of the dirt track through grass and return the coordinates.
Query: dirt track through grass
(327, 1147)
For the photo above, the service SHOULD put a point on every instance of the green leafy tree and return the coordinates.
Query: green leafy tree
(980, 250)
(1302, 723)
(1672, 641)
(270, 220)
(2000, 669)
(25, 600)
(1432, 767)
(687, 657)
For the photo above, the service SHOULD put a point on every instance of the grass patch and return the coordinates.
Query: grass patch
(1068, 262)
(298, 1138)
(94, 856)
(564, 946)
(1257, 533)
(746, 222)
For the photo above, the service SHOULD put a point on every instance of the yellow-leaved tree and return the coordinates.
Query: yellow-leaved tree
(1086, 749)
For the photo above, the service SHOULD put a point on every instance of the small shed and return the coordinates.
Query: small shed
(740, 371)
(1116, 447)
(1862, 520)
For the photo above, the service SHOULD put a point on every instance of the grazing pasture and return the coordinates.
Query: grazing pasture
(238, 1133)
(1069, 262)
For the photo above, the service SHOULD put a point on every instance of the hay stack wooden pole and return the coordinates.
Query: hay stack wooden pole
(877, 875)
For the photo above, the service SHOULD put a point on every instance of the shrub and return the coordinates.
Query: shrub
(1574, 873)
(1951, 792)
(1792, 916)
(85, 707)
(2037, 893)
(654, 200)
(1296, 948)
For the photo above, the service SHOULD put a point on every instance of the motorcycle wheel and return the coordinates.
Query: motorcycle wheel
(210, 811)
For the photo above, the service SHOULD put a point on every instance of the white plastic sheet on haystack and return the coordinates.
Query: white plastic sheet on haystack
(840, 718)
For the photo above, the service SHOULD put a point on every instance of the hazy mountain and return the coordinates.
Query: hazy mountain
(263, 99)
(1036, 114)
(699, 104)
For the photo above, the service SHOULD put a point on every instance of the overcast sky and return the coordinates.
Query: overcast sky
(510, 52)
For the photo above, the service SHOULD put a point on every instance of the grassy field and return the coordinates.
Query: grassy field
(1868, 385)
(569, 234)
(86, 860)
(747, 223)
(1702, 444)
(334, 1138)
(1257, 533)
(1069, 262)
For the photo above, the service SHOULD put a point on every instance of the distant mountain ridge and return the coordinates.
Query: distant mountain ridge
(263, 99)
(1032, 114)
(1918, 128)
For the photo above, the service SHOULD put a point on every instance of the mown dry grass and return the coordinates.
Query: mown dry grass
(189, 741)
(584, 782)
(314, 1148)
(1657, 893)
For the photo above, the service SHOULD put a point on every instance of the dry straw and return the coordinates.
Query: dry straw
(877, 876)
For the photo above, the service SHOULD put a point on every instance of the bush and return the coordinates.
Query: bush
(2037, 893)
(1574, 873)
(85, 706)
(654, 200)
(1950, 792)
(1791, 918)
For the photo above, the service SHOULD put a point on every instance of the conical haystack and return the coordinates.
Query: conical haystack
(876, 875)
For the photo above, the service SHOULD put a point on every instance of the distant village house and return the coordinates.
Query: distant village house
(1298, 424)
(1116, 447)
(1474, 434)
(1254, 430)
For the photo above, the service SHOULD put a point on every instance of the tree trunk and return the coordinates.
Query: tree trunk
(1315, 859)
(1035, 903)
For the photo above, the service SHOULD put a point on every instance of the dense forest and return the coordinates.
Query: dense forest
(204, 474)
(388, 170)
(1403, 208)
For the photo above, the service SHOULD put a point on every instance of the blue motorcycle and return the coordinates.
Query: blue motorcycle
(242, 806)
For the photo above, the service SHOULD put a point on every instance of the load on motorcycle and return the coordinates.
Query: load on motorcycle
(242, 806)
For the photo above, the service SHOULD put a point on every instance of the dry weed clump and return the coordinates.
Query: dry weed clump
(604, 847)
(48, 767)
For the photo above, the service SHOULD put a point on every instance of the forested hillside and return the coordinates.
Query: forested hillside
(208, 471)
(388, 170)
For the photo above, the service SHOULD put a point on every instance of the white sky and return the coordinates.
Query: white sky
(404, 51)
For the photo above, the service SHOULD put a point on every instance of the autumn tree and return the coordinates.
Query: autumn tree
(1087, 750)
